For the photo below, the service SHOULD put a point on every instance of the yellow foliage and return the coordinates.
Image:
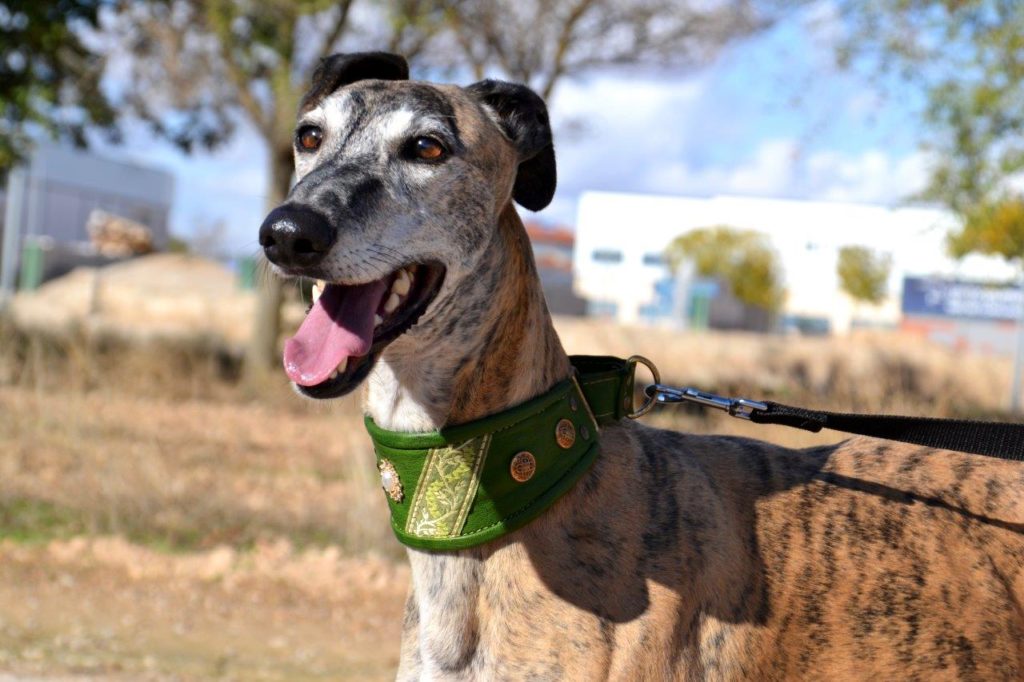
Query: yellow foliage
(743, 258)
(864, 274)
(994, 228)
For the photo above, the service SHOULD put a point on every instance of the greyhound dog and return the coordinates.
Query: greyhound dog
(673, 556)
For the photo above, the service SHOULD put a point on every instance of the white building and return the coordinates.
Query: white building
(49, 200)
(620, 239)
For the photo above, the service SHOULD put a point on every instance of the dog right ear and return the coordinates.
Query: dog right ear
(342, 69)
(523, 117)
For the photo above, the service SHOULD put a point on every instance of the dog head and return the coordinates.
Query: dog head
(400, 186)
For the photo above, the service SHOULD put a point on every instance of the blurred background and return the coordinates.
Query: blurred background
(819, 202)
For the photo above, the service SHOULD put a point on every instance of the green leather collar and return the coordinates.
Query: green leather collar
(469, 484)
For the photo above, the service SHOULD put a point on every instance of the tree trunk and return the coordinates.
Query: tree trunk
(262, 353)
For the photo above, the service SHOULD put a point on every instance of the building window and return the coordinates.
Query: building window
(654, 259)
(602, 309)
(606, 256)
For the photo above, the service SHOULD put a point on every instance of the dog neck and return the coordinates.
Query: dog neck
(488, 345)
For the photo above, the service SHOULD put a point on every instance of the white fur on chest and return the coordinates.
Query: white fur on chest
(446, 588)
(394, 405)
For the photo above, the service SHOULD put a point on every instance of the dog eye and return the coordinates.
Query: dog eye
(308, 138)
(428, 149)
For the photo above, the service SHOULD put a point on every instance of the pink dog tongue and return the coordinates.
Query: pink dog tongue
(339, 326)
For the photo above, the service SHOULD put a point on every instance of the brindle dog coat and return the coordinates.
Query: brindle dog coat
(676, 557)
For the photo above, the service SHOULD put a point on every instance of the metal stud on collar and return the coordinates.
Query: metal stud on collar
(523, 466)
(565, 434)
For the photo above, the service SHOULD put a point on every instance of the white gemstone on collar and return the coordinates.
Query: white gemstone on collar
(390, 481)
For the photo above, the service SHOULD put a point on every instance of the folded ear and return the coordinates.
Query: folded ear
(341, 69)
(523, 117)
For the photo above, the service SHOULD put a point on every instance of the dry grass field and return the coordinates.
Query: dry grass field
(158, 520)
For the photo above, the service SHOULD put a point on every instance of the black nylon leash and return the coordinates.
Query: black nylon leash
(992, 439)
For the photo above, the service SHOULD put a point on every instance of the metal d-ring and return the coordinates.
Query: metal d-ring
(650, 402)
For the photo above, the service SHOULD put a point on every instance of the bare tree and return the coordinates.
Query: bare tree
(194, 64)
(539, 42)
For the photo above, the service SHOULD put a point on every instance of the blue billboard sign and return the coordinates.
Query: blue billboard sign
(964, 300)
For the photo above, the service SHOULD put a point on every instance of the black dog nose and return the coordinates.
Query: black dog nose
(293, 235)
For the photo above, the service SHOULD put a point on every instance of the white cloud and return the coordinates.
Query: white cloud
(769, 171)
(645, 136)
(624, 122)
(872, 176)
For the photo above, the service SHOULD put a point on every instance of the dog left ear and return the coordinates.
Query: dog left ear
(342, 69)
(524, 119)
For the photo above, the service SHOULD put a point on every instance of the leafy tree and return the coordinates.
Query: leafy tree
(992, 227)
(967, 57)
(863, 273)
(49, 80)
(744, 259)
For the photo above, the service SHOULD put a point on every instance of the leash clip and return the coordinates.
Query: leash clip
(741, 408)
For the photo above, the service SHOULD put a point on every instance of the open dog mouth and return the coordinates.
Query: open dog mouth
(349, 325)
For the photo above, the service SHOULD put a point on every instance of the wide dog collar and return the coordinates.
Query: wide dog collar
(468, 484)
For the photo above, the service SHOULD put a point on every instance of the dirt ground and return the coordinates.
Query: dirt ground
(159, 521)
(106, 609)
(157, 539)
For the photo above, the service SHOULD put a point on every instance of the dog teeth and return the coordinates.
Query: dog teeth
(392, 303)
(377, 320)
(338, 370)
(318, 289)
(402, 283)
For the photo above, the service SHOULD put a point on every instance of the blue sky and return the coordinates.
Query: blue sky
(771, 117)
